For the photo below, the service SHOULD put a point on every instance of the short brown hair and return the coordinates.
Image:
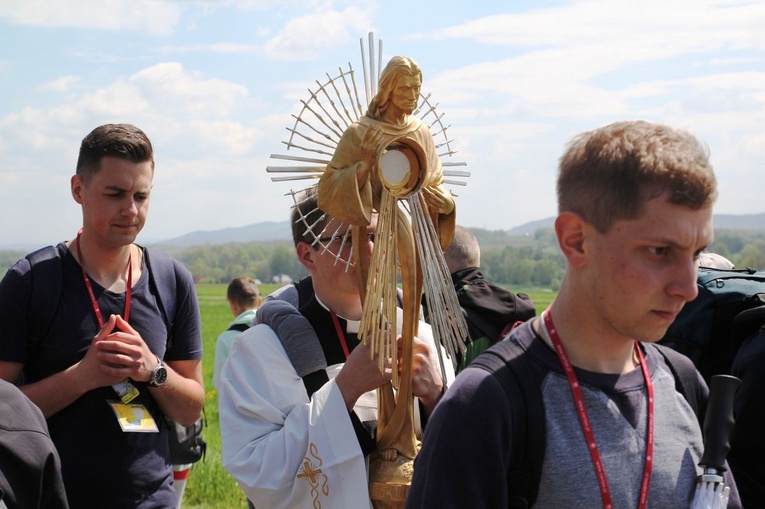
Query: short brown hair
(244, 291)
(124, 141)
(609, 173)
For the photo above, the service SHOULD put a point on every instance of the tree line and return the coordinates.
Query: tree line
(520, 262)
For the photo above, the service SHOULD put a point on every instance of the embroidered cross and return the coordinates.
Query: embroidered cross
(307, 472)
(313, 474)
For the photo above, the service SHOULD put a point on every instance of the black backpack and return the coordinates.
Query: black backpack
(185, 442)
(522, 384)
(711, 328)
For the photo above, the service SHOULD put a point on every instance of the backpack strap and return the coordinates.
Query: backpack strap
(163, 275)
(510, 367)
(749, 321)
(298, 338)
(47, 279)
(304, 351)
(686, 378)
(162, 279)
(241, 327)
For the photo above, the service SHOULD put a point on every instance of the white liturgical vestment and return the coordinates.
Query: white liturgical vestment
(284, 449)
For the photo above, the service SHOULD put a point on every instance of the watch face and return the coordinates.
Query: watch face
(160, 375)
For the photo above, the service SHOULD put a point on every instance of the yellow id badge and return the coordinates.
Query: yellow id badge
(133, 418)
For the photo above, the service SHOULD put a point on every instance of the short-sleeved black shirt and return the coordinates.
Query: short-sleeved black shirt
(102, 465)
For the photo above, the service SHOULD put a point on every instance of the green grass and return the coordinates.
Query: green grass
(209, 485)
(539, 296)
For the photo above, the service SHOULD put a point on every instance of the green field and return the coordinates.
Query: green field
(209, 485)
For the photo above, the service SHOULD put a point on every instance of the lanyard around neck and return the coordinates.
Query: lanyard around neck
(340, 334)
(548, 328)
(93, 301)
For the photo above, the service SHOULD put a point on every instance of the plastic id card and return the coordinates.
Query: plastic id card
(133, 418)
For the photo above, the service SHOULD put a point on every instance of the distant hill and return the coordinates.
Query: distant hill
(280, 231)
(745, 222)
(258, 232)
(530, 228)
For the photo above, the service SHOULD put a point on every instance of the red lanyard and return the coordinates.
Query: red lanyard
(340, 334)
(93, 301)
(549, 328)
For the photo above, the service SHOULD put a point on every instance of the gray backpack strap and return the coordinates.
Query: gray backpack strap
(304, 350)
(296, 334)
(46, 271)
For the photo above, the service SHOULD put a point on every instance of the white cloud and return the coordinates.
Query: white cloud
(239, 4)
(218, 48)
(155, 17)
(310, 36)
(169, 86)
(62, 84)
(642, 25)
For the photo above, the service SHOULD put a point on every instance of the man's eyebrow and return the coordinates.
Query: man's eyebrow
(119, 189)
(673, 243)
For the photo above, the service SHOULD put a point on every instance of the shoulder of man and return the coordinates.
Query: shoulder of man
(42, 271)
(46, 261)
(168, 276)
(173, 285)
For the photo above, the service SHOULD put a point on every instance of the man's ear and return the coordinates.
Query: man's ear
(76, 186)
(573, 231)
(306, 254)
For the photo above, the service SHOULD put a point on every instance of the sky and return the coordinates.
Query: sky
(214, 84)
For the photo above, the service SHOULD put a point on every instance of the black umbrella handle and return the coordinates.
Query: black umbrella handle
(718, 421)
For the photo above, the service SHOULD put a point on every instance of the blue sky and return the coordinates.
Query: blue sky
(213, 84)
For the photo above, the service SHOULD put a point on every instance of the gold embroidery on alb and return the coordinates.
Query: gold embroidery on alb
(311, 471)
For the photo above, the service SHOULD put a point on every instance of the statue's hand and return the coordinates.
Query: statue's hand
(438, 199)
(370, 148)
(370, 144)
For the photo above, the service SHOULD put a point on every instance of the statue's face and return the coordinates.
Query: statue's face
(406, 93)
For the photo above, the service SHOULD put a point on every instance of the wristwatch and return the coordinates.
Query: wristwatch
(159, 375)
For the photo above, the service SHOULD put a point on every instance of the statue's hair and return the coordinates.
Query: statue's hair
(396, 67)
